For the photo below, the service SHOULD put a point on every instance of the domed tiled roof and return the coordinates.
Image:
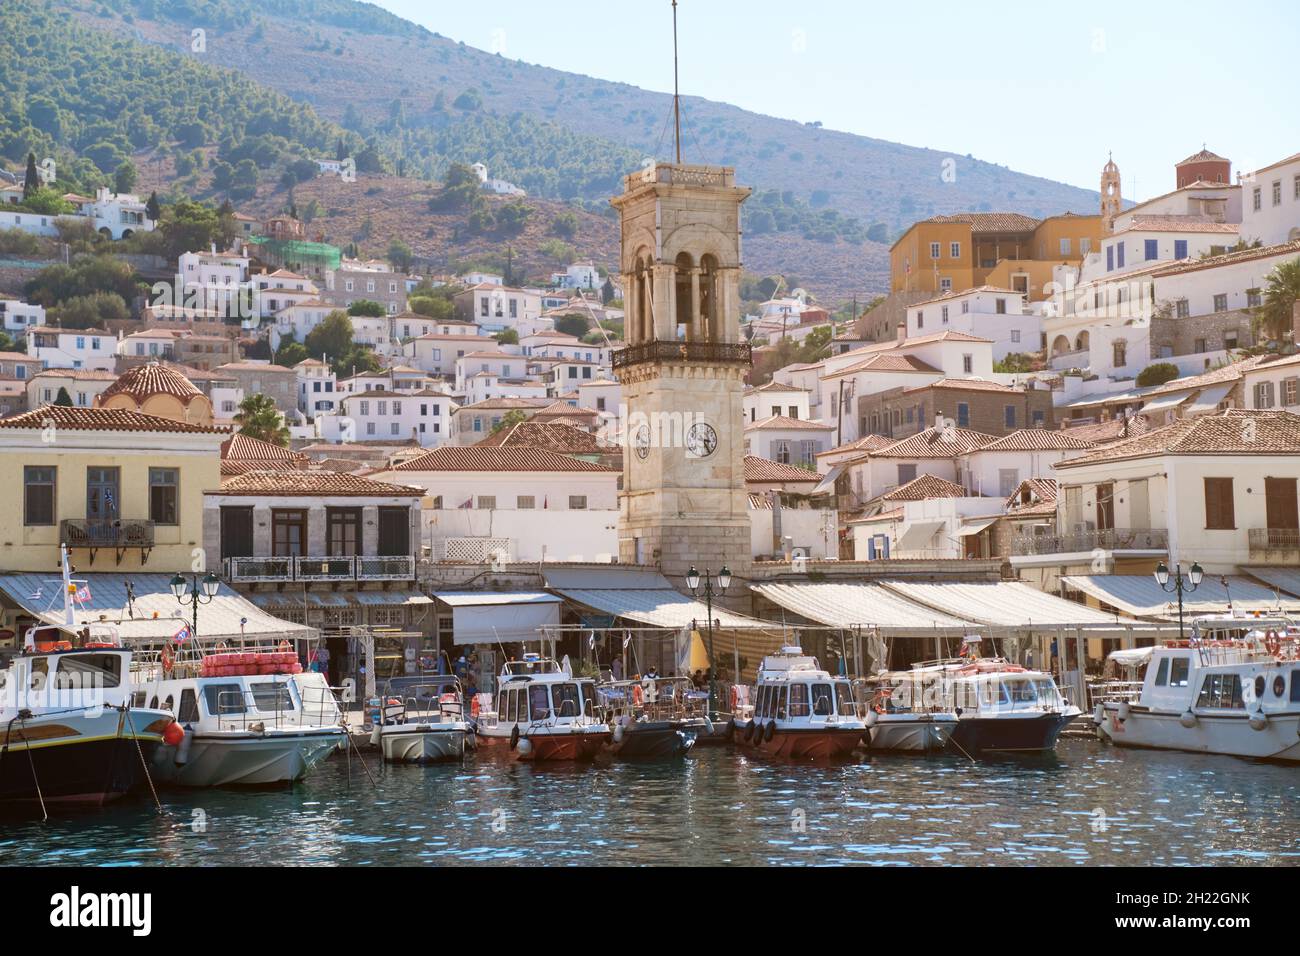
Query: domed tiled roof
(145, 381)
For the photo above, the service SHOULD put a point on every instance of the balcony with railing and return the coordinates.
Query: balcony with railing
(309, 569)
(120, 534)
(1274, 545)
(712, 353)
(1108, 539)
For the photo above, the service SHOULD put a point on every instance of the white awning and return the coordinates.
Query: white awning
(1280, 579)
(1002, 604)
(154, 613)
(1141, 596)
(1133, 657)
(1208, 400)
(976, 526)
(489, 617)
(658, 607)
(1165, 402)
(827, 485)
(918, 535)
(390, 598)
(860, 605)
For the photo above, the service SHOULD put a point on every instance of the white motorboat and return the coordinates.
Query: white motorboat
(655, 717)
(906, 712)
(252, 716)
(422, 723)
(1002, 707)
(1232, 688)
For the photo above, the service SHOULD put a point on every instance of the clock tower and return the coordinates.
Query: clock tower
(683, 501)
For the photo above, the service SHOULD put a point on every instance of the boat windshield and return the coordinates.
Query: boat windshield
(845, 706)
(565, 700)
(272, 697)
(588, 698)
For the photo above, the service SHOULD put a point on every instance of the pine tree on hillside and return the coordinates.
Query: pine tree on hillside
(32, 182)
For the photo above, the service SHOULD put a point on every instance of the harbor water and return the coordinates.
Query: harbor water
(1088, 804)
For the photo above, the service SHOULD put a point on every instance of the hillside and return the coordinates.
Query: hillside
(424, 101)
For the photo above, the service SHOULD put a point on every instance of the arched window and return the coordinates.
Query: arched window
(684, 298)
(710, 321)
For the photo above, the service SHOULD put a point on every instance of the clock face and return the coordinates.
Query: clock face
(641, 442)
(701, 440)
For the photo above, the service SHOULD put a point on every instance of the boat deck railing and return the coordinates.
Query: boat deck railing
(663, 698)
(241, 709)
(422, 701)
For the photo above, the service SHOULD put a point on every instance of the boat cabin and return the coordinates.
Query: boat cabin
(793, 686)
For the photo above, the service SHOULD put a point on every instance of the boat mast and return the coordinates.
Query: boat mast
(69, 589)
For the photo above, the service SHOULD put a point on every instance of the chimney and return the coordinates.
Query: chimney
(902, 331)
(938, 421)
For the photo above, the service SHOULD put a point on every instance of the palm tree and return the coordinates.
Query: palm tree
(259, 418)
(1276, 315)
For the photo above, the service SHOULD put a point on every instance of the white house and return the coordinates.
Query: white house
(499, 364)
(116, 215)
(73, 348)
(317, 388)
(389, 416)
(486, 503)
(1271, 207)
(789, 441)
(276, 290)
(213, 280)
(498, 187)
(19, 316)
(485, 386)
(83, 386)
(989, 312)
(1273, 385)
(437, 354)
(579, 275)
(773, 398)
(999, 467)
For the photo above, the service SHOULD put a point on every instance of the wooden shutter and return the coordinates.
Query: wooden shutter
(1219, 513)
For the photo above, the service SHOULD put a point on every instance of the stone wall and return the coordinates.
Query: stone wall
(1201, 333)
(987, 410)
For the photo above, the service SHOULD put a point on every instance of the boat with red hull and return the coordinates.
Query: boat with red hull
(541, 712)
(799, 711)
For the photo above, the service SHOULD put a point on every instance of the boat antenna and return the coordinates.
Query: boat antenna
(68, 586)
(677, 96)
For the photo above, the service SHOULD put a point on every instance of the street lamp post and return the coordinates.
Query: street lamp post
(724, 581)
(1194, 575)
(196, 592)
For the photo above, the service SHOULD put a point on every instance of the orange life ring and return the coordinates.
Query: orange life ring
(473, 706)
(1273, 643)
(637, 695)
(168, 663)
(882, 695)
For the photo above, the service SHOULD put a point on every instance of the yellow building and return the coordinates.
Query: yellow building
(123, 490)
(156, 389)
(967, 250)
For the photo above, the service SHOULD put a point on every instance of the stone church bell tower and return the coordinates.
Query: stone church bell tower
(683, 501)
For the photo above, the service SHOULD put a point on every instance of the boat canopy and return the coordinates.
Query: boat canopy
(1132, 657)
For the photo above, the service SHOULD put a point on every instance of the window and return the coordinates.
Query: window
(967, 363)
(164, 491)
(1182, 309)
(271, 697)
(577, 502)
(1180, 248)
(1289, 391)
(1221, 302)
(943, 314)
(1008, 481)
(1255, 199)
(1162, 673)
(945, 284)
(1105, 506)
(288, 532)
(1277, 192)
(1151, 249)
(934, 250)
(906, 473)
(1015, 336)
(781, 451)
(965, 307)
(1085, 245)
(1000, 306)
(1253, 298)
(1119, 255)
(1179, 669)
(954, 250)
(486, 502)
(1219, 514)
(38, 496)
(1263, 394)
(920, 319)
(525, 502)
(1009, 419)
(1119, 349)
(798, 700)
(1222, 691)
(1065, 247)
(963, 414)
(77, 671)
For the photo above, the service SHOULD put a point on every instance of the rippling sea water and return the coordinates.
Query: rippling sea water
(1088, 805)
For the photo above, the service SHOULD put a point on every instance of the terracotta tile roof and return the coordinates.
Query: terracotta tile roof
(784, 422)
(1035, 496)
(241, 447)
(1234, 432)
(563, 410)
(764, 469)
(144, 381)
(1116, 429)
(1203, 156)
(251, 367)
(312, 483)
(925, 486)
(935, 443)
(772, 386)
(229, 467)
(1232, 258)
(865, 443)
(1215, 376)
(991, 221)
(1039, 439)
(17, 357)
(479, 458)
(491, 404)
(103, 420)
(78, 374)
(1155, 223)
(949, 296)
(967, 385)
(560, 437)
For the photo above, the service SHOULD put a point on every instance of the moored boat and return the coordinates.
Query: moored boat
(422, 723)
(1002, 707)
(799, 711)
(905, 712)
(542, 713)
(1233, 688)
(654, 717)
